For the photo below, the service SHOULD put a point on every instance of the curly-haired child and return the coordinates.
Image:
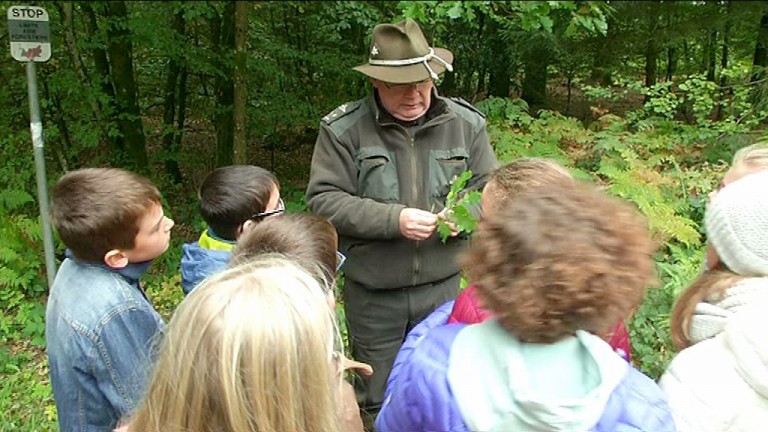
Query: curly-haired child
(555, 266)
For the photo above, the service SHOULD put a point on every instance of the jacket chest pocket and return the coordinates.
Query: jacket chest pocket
(444, 166)
(377, 175)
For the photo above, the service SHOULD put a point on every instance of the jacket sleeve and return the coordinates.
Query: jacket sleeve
(125, 352)
(482, 160)
(439, 317)
(332, 193)
(638, 405)
(421, 397)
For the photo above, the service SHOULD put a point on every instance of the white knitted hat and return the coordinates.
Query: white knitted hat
(737, 225)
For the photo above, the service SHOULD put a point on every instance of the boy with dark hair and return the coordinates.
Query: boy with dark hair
(99, 323)
(232, 199)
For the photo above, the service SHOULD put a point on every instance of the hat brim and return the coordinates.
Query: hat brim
(407, 74)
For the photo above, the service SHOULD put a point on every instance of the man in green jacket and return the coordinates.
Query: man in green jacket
(381, 170)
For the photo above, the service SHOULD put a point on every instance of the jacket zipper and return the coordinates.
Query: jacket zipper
(415, 191)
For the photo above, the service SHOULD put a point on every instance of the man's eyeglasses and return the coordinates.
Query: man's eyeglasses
(278, 210)
(420, 85)
(340, 258)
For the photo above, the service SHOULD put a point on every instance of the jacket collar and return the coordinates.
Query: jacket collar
(209, 240)
(132, 272)
(437, 108)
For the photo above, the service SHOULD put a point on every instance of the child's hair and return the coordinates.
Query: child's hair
(250, 349)
(514, 178)
(736, 222)
(96, 210)
(309, 239)
(754, 157)
(230, 195)
(560, 259)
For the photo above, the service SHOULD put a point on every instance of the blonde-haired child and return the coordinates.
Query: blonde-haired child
(250, 349)
(312, 242)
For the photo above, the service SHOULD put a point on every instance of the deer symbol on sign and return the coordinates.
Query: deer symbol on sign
(32, 52)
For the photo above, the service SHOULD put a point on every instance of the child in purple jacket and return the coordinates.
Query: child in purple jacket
(556, 266)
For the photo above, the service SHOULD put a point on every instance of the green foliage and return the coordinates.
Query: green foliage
(649, 328)
(22, 271)
(26, 400)
(458, 208)
(660, 147)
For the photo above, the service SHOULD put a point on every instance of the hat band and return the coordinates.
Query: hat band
(415, 60)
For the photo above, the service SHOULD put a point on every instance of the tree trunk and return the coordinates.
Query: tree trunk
(499, 76)
(65, 147)
(724, 61)
(651, 58)
(175, 64)
(711, 55)
(760, 59)
(179, 131)
(103, 75)
(240, 89)
(651, 45)
(535, 81)
(120, 51)
(65, 9)
(223, 39)
(671, 63)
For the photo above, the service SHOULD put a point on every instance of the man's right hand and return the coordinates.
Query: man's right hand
(417, 224)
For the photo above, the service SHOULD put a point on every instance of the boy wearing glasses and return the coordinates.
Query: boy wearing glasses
(381, 171)
(232, 200)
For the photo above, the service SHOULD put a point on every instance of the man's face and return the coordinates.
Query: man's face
(153, 236)
(406, 102)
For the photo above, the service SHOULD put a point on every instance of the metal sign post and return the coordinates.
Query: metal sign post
(30, 37)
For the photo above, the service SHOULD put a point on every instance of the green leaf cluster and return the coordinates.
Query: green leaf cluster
(459, 206)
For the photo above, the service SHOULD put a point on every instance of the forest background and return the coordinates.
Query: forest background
(648, 99)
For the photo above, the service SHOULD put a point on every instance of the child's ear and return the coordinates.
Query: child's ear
(246, 226)
(116, 259)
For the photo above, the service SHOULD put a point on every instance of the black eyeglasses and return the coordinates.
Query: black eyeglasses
(280, 209)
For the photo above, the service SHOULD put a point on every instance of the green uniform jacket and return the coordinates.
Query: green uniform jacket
(366, 168)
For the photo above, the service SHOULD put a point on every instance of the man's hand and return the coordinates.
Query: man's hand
(444, 218)
(417, 224)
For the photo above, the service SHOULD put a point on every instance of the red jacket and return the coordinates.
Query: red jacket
(467, 310)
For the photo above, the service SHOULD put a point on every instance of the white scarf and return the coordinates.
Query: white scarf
(711, 315)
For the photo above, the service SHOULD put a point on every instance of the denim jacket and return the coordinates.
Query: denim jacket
(100, 329)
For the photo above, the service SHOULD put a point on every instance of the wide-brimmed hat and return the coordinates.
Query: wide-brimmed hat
(400, 54)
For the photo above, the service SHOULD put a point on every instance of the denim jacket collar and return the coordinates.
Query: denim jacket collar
(132, 272)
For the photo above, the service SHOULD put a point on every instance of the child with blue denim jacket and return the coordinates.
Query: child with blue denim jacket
(100, 325)
(232, 199)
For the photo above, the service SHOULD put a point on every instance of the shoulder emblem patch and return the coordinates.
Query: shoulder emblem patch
(340, 112)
